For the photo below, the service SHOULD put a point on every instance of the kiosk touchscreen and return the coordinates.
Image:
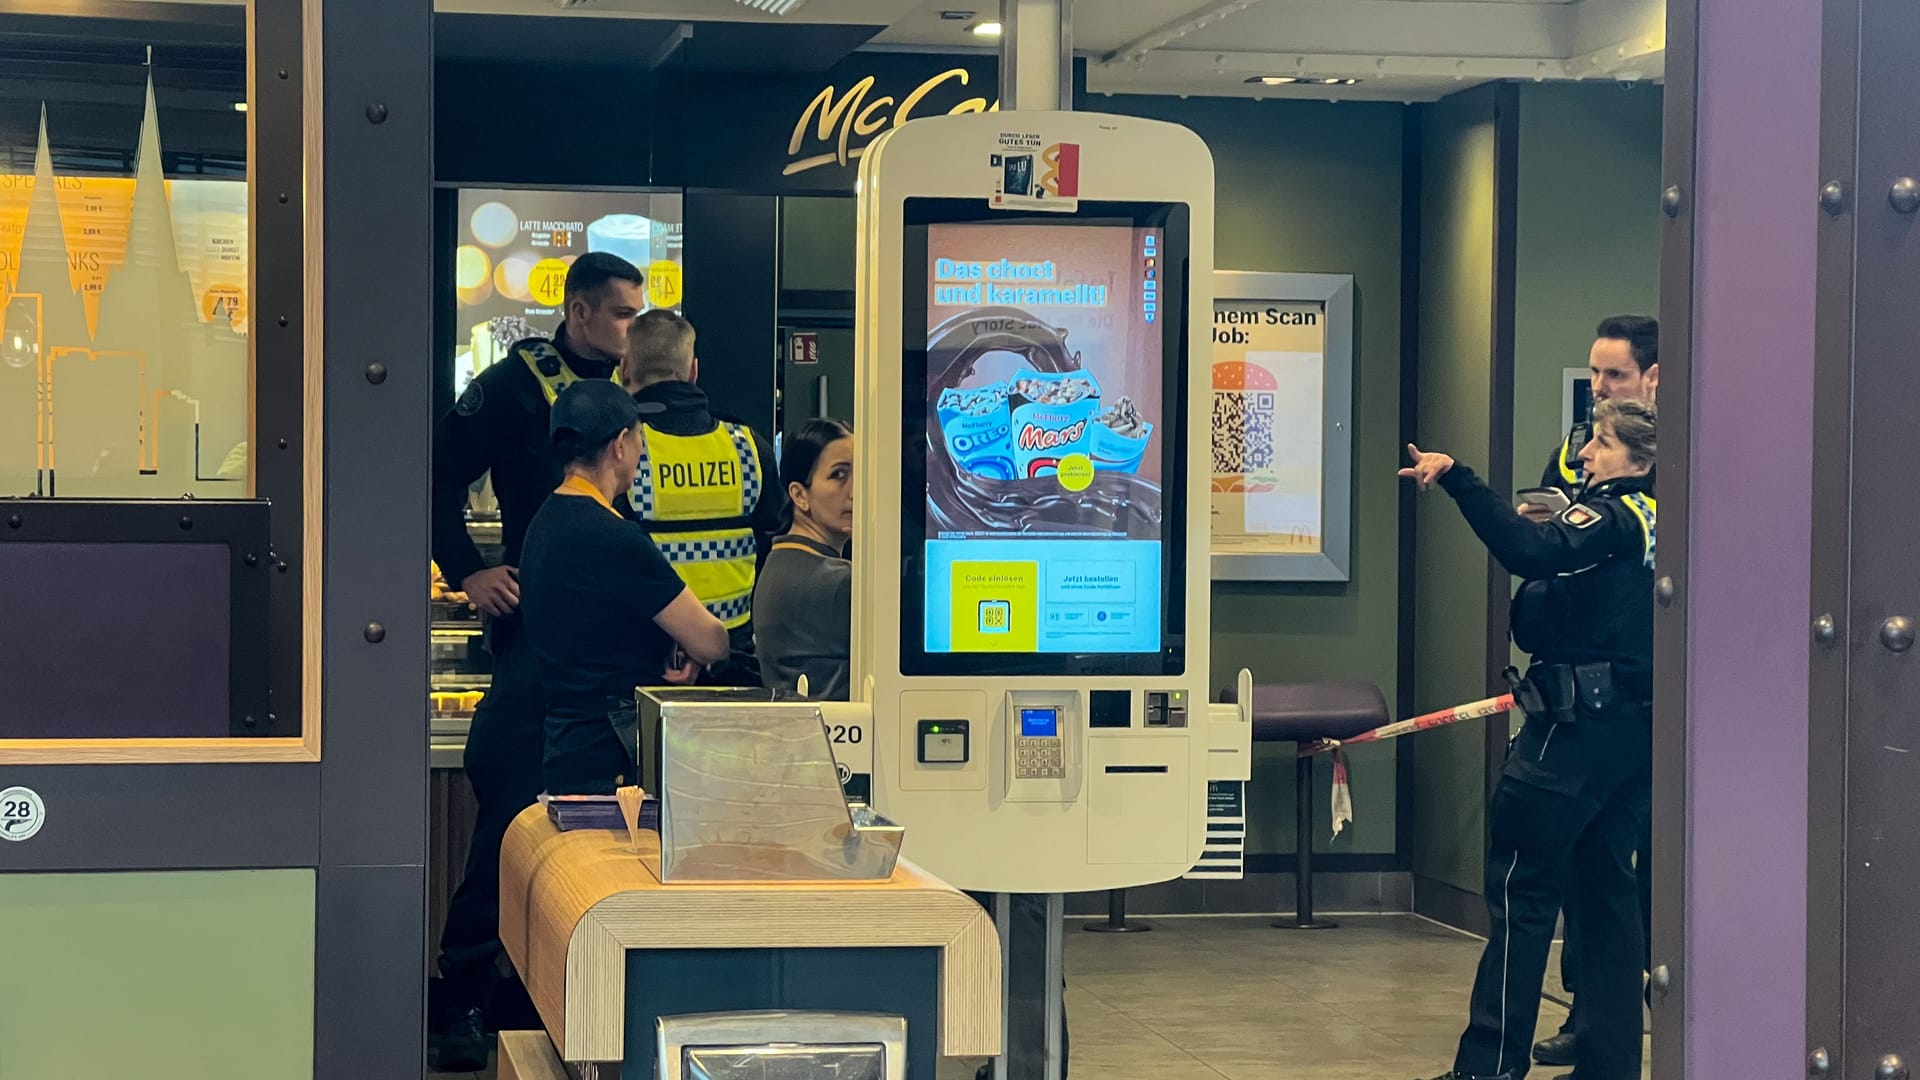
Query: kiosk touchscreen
(1031, 574)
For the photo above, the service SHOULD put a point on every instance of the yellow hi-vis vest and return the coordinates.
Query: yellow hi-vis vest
(697, 494)
(551, 368)
(1647, 510)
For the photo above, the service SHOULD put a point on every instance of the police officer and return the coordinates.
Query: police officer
(1574, 797)
(706, 487)
(499, 426)
(1624, 363)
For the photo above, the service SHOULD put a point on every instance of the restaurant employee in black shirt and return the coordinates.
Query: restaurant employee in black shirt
(499, 426)
(605, 612)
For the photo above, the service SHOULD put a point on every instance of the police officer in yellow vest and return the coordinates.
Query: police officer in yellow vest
(1624, 364)
(706, 487)
(500, 426)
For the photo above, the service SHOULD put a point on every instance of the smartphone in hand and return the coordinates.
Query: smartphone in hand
(1552, 498)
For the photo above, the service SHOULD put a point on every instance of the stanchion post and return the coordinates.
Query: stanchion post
(1117, 917)
(1303, 854)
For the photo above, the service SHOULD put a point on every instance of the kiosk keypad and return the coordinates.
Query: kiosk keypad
(1038, 759)
(1038, 752)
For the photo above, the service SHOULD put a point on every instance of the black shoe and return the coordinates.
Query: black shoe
(463, 1046)
(1557, 1050)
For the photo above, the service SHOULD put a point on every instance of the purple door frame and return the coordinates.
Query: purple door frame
(1733, 935)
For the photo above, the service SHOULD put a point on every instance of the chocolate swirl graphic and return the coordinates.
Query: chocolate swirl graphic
(1122, 504)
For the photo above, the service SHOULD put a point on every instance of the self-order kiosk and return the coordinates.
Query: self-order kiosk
(1031, 556)
(1031, 594)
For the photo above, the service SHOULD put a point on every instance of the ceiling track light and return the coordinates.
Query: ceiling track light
(1289, 80)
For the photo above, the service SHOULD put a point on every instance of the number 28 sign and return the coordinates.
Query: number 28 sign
(21, 813)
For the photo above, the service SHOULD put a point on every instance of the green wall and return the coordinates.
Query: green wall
(1450, 584)
(202, 975)
(1588, 242)
(1314, 187)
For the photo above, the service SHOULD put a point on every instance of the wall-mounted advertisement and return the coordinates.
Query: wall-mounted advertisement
(1282, 440)
(515, 247)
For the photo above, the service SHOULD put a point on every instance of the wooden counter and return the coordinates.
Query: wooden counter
(573, 904)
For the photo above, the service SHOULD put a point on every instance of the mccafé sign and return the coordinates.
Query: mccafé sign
(838, 127)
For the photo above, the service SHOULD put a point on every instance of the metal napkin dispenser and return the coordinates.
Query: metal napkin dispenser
(750, 792)
(782, 1046)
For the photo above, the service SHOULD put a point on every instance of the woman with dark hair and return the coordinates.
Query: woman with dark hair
(803, 602)
(604, 610)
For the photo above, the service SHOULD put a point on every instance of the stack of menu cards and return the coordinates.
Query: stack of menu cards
(574, 812)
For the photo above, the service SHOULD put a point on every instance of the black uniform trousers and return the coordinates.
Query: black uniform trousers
(502, 763)
(1568, 813)
(1569, 956)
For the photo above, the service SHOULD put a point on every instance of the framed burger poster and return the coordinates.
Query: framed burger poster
(1282, 426)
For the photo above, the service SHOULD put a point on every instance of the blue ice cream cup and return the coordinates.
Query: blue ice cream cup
(1117, 441)
(977, 427)
(1052, 414)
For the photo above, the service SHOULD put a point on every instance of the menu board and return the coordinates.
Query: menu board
(515, 247)
(1044, 453)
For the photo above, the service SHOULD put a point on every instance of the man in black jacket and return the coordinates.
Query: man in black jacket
(499, 426)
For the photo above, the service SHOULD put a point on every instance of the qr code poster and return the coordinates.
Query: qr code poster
(1269, 373)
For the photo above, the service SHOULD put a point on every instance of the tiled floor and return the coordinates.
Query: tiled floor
(1381, 998)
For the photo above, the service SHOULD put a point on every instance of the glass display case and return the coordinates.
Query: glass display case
(461, 668)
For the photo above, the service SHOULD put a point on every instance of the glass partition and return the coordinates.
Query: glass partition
(124, 367)
(131, 388)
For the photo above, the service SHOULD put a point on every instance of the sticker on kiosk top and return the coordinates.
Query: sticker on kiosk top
(1029, 173)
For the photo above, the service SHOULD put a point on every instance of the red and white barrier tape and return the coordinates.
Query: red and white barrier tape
(1342, 809)
(1474, 711)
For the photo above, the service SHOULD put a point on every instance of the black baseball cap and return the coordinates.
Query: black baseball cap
(589, 413)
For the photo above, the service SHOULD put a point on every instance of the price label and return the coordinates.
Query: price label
(21, 813)
(547, 282)
(664, 284)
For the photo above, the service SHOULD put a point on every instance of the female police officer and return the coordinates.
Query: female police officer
(1573, 798)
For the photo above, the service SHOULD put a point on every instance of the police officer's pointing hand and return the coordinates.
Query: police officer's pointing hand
(1427, 468)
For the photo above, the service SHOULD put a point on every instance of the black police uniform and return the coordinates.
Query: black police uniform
(1574, 797)
(499, 425)
(1567, 472)
(679, 408)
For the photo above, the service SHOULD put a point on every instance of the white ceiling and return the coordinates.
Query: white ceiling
(1401, 50)
(1398, 50)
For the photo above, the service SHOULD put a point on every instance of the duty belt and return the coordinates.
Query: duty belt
(1563, 693)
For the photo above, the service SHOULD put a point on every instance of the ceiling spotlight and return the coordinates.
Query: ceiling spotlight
(239, 106)
(986, 29)
(1272, 80)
